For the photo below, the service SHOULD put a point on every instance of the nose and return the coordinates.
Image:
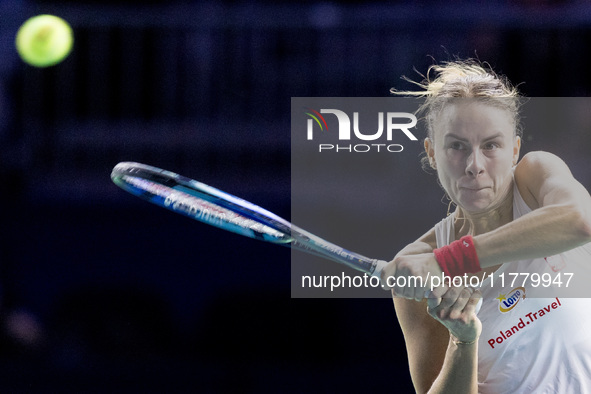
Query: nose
(475, 163)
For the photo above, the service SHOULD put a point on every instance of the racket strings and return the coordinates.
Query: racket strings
(201, 209)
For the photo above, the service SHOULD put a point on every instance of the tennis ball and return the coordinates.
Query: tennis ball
(44, 40)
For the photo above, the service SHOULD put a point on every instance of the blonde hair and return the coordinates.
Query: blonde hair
(462, 79)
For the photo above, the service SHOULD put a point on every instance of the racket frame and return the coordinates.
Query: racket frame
(186, 196)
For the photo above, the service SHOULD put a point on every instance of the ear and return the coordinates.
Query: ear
(516, 148)
(430, 150)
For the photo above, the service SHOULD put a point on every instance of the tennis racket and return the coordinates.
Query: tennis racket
(217, 208)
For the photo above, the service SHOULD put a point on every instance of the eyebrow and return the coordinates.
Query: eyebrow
(457, 137)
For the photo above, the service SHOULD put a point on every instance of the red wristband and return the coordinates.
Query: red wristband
(458, 258)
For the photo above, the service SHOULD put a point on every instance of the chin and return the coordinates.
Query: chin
(475, 206)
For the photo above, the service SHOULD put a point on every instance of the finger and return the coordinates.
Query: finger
(446, 309)
(389, 282)
(406, 292)
(418, 293)
(384, 281)
(432, 301)
(400, 291)
(457, 308)
(421, 293)
(450, 297)
(464, 295)
(403, 291)
(387, 276)
(439, 291)
(418, 290)
(474, 302)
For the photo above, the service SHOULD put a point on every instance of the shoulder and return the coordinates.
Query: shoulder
(425, 244)
(534, 171)
(429, 238)
(539, 162)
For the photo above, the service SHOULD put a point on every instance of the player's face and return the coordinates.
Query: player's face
(474, 150)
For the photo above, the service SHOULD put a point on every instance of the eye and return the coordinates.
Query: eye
(491, 146)
(457, 145)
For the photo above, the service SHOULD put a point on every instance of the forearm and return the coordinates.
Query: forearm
(459, 373)
(543, 232)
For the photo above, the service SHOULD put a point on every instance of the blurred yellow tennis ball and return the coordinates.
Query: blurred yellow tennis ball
(44, 40)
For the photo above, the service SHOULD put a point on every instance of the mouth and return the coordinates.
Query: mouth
(474, 189)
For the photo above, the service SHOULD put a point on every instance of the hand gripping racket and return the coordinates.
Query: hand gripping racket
(217, 208)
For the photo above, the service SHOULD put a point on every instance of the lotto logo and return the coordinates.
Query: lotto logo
(509, 301)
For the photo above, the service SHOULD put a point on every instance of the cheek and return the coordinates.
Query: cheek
(451, 165)
(503, 159)
(447, 177)
(502, 172)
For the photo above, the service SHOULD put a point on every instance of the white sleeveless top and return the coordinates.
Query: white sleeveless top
(530, 344)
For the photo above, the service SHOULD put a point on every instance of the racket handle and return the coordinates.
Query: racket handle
(478, 306)
(379, 266)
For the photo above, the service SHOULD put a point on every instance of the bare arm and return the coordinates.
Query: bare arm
(437, 364)
(560, 221)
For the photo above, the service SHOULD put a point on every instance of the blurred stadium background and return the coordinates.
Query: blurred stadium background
(104, 293)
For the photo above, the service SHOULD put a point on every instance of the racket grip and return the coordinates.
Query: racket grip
(478, 306)
(379, 266)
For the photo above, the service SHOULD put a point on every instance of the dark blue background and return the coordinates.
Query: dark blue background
(130, 298)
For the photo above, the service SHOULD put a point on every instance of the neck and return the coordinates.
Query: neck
(467, 223)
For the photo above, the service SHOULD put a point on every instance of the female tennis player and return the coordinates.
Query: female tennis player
(511, 216)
